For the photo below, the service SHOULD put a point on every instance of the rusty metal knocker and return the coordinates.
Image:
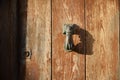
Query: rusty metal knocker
(68, 30)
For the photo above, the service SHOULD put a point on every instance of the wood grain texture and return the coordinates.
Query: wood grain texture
(37, 28)
(102, 21)
(67, 65)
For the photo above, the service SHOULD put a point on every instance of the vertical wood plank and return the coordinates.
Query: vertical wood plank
(102, 21)
(8, 57)
(38, 40)
(67, 65)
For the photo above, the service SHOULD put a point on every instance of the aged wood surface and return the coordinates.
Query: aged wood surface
(8, 65)
(67, 65)
(102, 22)
(37, 28)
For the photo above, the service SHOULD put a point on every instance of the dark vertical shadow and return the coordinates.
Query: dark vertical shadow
(3, 39)
(119, 37)
(82, 46)
(119, 22)
(8, 68)
(21, 37)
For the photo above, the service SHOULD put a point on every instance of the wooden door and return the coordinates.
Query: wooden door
(41, 43)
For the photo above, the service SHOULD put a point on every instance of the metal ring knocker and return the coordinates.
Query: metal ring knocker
(68, 30)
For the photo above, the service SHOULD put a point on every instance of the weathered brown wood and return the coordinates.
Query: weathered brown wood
(102, 22)
(67, 65)
(8, 65)
(37, 28)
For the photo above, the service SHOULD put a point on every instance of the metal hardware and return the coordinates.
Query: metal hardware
(28, 54)
(68, 31)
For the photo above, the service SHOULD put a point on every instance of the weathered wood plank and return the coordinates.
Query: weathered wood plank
(67, 65)
(103, 24)
(37, 28)
(8, 59)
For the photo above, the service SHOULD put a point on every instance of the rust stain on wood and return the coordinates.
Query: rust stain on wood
(32, 70)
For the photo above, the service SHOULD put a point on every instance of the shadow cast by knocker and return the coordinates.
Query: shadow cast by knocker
(85, 45)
